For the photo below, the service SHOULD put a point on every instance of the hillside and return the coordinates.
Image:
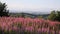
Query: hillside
(29, 15)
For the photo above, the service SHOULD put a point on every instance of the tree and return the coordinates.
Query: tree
(55, 16)
(52, 16)
(3, 10)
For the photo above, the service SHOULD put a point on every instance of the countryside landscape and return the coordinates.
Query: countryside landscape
(29, 20)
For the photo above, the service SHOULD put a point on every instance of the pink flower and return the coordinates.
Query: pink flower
(15, 28)
(29, 29)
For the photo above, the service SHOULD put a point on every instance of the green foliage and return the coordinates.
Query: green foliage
(52, 16)
(30, 24)
(58, 16)
(40, 17)
(3, 10)
(12, 32)
(55, 16)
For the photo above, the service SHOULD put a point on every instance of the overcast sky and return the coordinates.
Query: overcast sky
(32, 5)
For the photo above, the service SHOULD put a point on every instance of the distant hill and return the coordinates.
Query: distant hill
(32, 15)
